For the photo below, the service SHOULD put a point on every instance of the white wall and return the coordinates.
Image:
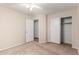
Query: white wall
(76, 29)
(42, 27)
(73, 12)
(12, 28)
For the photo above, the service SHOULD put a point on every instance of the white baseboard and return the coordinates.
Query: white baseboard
(20, 43)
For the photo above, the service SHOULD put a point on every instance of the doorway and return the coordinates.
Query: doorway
(66, 30)
(36, 36)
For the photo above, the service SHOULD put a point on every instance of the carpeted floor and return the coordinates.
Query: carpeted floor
(35, 48)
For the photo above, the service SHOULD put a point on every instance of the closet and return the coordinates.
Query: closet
(36, 36)
(66, 30)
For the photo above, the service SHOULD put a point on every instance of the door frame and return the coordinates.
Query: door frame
(38, 29)
(61, 38)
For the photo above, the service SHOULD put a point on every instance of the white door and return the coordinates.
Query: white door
(29, 30)
(55, 30)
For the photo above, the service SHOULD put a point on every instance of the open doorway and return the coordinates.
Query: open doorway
(36, 36)
(66, 30)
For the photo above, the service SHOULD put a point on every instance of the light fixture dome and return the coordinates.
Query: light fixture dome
(30, 6)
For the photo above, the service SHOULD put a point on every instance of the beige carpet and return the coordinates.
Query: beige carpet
(34, 48)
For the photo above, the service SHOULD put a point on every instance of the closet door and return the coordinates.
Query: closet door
(29, 30)
(55, 24)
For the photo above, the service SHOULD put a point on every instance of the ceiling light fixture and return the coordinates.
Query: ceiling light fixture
(31, 6)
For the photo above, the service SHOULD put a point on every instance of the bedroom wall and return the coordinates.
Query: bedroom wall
(12, 28)
(52, 17)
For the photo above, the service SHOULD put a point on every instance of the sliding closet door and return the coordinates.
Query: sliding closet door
(55, 30)
(29, 30)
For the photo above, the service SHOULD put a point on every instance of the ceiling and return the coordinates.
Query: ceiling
(45, 7)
